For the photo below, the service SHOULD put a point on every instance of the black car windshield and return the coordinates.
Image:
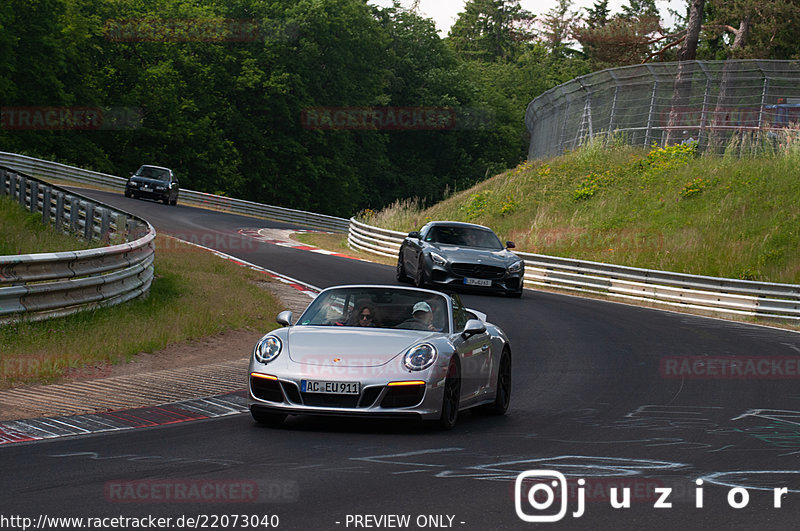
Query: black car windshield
(378, 308)
(150, 172)
(464, 236)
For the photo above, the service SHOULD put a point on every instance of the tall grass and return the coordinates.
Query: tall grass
(670, 209)
(24, 233)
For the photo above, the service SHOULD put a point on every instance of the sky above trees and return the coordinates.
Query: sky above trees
(445, 12)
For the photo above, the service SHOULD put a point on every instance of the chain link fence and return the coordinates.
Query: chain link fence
(723, 105)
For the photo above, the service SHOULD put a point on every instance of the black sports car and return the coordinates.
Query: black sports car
(450, 253)
(153, 182)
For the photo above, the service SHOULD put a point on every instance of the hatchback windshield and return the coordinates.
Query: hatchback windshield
(378, 308)
(150, 172)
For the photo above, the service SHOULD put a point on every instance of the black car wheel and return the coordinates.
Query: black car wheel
(452, 397)
(419, 278)
(503, 394)
(515, 294)
(268, 418)
(127, 193)
(400, 272)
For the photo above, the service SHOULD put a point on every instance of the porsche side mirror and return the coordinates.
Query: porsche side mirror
(473, 327)
(510, 245)
(284, 318)
(414, 234)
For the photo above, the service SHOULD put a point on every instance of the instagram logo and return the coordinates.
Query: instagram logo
(539, 490)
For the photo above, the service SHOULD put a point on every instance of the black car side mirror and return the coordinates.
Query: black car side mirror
(413, 234)
(473, 327)
(510, 245)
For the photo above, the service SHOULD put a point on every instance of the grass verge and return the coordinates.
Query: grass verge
(24, 233)
(194, 294)
(665, 209)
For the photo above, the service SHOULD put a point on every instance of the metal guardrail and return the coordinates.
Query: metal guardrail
(44, 285)
(718, 295)
(53, 170)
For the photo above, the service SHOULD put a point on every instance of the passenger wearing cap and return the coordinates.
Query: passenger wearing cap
(421, 318)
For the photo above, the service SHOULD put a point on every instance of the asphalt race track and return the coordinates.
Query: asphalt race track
(598, 394)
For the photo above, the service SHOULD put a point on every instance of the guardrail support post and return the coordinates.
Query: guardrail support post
(105, 224)
(74, 214)
(88, 227)
(59, 221)
(120, 224)
(2, 181)
(22, 190)
(34, 197)
(131, 230)
(46, 204)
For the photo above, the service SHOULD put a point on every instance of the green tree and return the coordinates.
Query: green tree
(491, 30)
(757, 29)
(558, 23)
(640, 9)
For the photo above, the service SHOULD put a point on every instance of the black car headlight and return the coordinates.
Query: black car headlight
(438, 259)
(267, 349)
(419, 357)
(516, 267)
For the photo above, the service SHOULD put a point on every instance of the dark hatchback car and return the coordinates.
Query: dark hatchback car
(450, 253)
(153, 182)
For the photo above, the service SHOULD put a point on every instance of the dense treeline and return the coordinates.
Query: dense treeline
(222, 88)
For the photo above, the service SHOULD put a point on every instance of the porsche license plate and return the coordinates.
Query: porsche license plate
(331, 388)
(478, 282)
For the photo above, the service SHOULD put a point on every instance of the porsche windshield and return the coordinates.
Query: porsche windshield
(464, 236)
(378, 308)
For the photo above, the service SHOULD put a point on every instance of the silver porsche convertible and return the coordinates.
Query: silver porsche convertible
(381, 351)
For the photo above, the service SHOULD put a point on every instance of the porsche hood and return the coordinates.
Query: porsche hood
(348, 346)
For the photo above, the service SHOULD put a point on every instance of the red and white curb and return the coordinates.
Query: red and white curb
(282, 238)
(299, 285)
(28, 430)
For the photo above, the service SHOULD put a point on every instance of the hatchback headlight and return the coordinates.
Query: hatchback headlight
(516, 267)
(420, 357)
(438, 259)
(267, 349)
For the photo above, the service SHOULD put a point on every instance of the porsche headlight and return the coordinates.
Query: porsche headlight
(420, 357)
(267, 349)
(516, 267)
(438, 259)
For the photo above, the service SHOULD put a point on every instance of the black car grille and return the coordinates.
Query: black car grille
(478, 271)
(326, 400)
(292, 392)
(266, 389)
(403, 396)
(369, 395)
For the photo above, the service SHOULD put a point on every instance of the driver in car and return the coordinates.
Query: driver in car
(421, 318)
